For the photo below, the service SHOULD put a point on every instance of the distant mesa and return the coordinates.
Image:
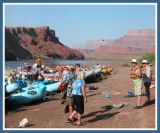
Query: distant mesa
(134, 41)
(30, 42)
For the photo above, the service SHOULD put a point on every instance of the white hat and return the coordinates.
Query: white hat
(134, 61)
(144, 62)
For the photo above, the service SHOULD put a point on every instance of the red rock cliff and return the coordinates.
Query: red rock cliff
(29, 42)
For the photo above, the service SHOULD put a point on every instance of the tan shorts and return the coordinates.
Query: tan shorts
(69, 101)
(138, 87)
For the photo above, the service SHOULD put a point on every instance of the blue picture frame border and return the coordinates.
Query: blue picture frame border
(77, 1)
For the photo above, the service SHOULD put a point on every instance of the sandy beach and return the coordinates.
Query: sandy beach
(50, 114)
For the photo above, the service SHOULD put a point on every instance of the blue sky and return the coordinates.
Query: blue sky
(77, 24)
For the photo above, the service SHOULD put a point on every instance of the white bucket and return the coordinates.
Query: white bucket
(23, 123)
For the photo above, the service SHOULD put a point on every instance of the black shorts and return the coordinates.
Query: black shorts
(147, 84)
(78, 103)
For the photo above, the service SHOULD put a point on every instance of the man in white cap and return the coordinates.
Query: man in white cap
(136, 76)
(146, 75)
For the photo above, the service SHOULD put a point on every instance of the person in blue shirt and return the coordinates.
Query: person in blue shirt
(65, 73)
(21, 83)
(79, 97)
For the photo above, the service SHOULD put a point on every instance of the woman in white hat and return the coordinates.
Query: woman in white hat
(136, 76)
(146, 75)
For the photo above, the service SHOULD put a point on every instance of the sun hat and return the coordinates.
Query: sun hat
(134, 61)
(144, 62)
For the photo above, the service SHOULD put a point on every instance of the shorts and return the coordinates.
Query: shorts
(147, 87)
(138, 87)
(78, 104)
(147, 84)
(69, 101)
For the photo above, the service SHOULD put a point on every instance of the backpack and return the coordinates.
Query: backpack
(61, 87)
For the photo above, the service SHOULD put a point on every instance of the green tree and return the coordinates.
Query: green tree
(150, 57)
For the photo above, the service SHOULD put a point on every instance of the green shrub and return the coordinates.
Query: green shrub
(150, 57)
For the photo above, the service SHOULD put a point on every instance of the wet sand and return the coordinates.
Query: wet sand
(50, 114)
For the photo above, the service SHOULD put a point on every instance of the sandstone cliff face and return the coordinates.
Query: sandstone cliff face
(135, 41)
(28, 42)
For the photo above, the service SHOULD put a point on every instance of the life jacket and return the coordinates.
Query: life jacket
(61, 87)
(134, 71)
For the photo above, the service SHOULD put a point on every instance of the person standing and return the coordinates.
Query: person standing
(69, 99)
(79, 97)
(146, 76)
(65, 80)
(99, 66)
(65, 73)
(38, 62)
(10, 79)
(136, 76)
(77, 67)
(38, 68)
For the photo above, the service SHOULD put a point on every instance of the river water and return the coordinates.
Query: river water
(53, 62)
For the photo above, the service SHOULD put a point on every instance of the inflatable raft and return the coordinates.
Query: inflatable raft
(11, 88)
(89, 73)
(107, 70)
(50, 87)
(29, 95)
(53, 87)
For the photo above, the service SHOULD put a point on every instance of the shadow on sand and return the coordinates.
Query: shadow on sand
(102, 117)
(150, 103)
(94, 113)
(30, 125)
(94, 94)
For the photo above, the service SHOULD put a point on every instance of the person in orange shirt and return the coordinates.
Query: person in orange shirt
(39, 62)
(38, 68)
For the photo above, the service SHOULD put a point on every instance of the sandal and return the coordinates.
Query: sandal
(147, 103)
(74, 119)
(70, 120)
(79, 124)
